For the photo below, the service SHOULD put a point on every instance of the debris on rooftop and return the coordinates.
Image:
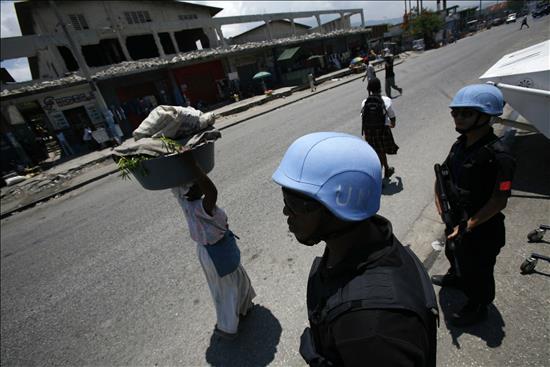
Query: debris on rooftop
(132, 67)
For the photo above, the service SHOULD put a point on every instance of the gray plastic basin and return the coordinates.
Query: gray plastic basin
(170, 171)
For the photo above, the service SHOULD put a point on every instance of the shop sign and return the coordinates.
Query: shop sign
(51, 103)
(94, 114)
(58, 120)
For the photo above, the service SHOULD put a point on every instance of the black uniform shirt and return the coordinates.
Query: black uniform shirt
(371, 337)
(481, 170)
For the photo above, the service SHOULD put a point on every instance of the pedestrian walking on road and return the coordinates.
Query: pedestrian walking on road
(479, 182)
(369, 299)
(311, 80)
(377, 120)
(390, 75)
(217, 249)
(524, 23)
(370, 73)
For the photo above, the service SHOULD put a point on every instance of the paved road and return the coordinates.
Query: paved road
(107, 274)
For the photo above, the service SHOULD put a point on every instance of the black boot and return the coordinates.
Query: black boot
(470, 314)
(448, 280)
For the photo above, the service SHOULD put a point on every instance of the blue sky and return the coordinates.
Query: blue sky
(373, 10)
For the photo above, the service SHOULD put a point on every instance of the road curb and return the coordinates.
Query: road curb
(53, 195)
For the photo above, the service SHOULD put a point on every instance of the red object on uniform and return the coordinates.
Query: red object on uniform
(505, 186)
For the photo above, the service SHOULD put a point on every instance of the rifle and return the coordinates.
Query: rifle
(442, 175)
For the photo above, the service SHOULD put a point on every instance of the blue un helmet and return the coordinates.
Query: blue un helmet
(484, 98)
(339, 170)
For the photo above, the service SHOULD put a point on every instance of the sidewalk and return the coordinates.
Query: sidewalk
(85, 169)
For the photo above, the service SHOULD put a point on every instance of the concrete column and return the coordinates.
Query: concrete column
(57, 61)
(158, 43)
(122, 41)
(116, 26)
(268, 27)
(318, 17)
(342, 20)
(293, 26)
(362, 19)
(174, 42)
(220, 35)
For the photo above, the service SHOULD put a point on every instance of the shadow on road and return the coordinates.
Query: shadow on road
(490, 330)
(533, 164)
(392, 187)
(259, 335)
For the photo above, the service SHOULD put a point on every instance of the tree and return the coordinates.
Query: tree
(515, 6)
(426, 25)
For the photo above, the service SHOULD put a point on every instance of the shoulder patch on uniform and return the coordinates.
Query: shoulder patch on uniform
(505, 186)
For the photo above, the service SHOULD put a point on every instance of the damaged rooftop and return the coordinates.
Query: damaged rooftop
(131, 67)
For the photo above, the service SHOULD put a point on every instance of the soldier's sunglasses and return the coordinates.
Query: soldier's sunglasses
(465, 114)
(298, 204)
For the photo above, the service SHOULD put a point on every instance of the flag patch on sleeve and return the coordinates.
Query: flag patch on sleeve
(505, 186)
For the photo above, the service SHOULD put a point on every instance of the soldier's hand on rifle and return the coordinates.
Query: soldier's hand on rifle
(459, 230)
(455, 233)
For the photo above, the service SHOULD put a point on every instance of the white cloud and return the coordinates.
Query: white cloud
(9, 23)
(18, 69)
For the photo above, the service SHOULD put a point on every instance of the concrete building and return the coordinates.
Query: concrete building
(342, 22)
(278, 28)
(126, 57)
(107, 32)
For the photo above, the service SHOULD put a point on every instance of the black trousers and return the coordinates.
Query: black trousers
(476, 256)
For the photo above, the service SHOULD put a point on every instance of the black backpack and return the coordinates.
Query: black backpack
(373, 114)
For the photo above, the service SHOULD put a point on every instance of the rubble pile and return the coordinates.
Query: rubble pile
(131, 67)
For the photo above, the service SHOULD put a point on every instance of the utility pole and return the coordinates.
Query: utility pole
(81, 62)
(479, 12)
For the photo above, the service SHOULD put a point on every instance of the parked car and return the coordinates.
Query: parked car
(497, 21)
(541, 11)
(418, 45)
(511, 18)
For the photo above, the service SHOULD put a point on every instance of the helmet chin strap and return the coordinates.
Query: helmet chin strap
(475, 126)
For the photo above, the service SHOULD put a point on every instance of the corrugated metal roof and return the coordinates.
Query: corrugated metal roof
(288, 54)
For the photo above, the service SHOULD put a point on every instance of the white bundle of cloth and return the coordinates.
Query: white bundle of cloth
(187, 126)
(155, 147)
(173, 122)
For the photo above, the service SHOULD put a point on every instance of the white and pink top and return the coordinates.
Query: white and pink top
(203, 228)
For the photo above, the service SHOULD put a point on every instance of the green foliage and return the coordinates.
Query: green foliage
(171, 145)
(127, 165)
(134, 163)
(515, 6)
(426, 24)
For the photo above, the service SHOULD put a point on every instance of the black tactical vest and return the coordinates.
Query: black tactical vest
(406, 287)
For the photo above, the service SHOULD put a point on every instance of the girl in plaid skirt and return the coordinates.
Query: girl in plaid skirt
(380, 137)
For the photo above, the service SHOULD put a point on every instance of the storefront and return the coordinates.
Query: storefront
(200, 83)
(69, 112)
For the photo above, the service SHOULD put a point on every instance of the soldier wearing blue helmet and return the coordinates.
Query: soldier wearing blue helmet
(478, 176)
(369, 299)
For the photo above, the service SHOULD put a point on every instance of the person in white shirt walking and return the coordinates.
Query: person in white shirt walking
(370, 74)
(217, 249)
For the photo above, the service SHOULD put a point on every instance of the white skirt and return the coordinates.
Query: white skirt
(232, 294)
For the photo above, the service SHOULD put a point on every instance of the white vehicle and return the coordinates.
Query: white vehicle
(524, 79)
(511, 18)
(418, 45)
